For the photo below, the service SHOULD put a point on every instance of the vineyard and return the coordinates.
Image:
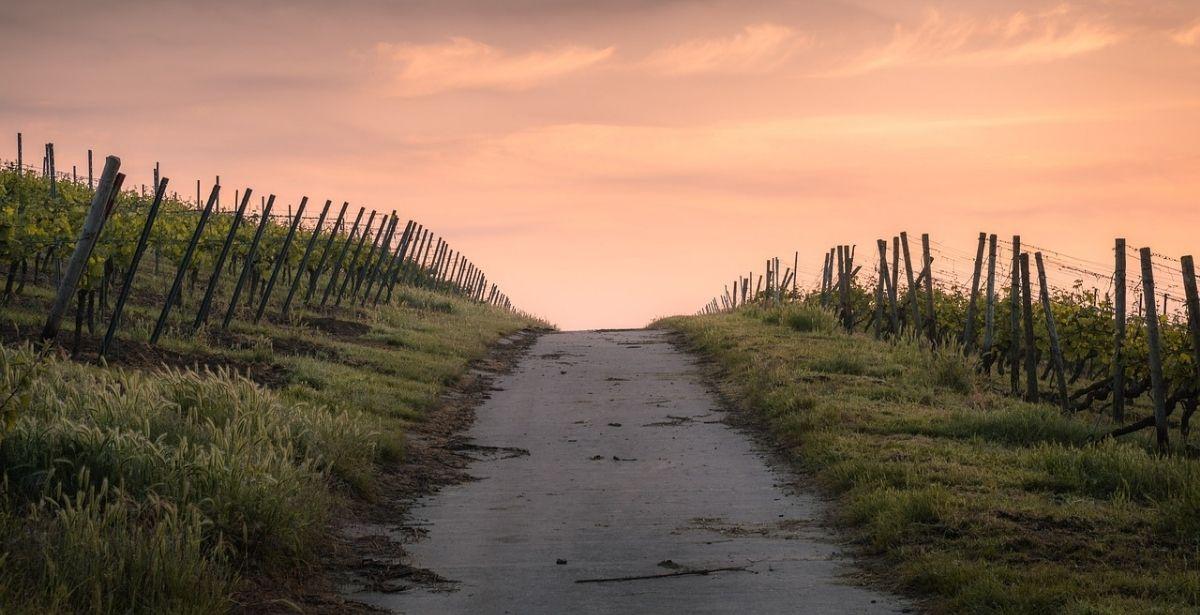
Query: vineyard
(88, 238)
(195, 395)
(1060, 329)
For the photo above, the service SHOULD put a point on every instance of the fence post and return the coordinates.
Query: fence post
(968, 338)
(337, 265)
(115, 321)
(308, 248)
(219, 265)
(1055, 350)
(911, 293)
(316, 274)
(249, 264)
(1031, 378)
(989, 316)
(1152, 337)
(1014, 317)
(279, 260)
(378, 270)
(393, 271)
(367, 270)
(930, 315)
(882, 272)
(88, 235)
(362, 239)
(1193, 314)
(1118, 366)
(184, 263)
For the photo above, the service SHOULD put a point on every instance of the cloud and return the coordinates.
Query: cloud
(1188, 37)
(756, 49)
(1019, 38)
(465, 64)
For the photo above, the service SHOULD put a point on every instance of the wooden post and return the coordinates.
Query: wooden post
(1052, 333)
(184, 263)
(1193, 315)
(969, 329)
(308, 248)
(21, 156)
(337, 265)
(841, 273)
(249, 264)
(88, 235)
(53, 171)
(219, 265)
(364, 268)
(930, 315)
(989, 315)
(882, 245)
(895, 271)
(362, 239)
(796, 273)
(1118, 363)
(1158, 387)
(333, 232)
(1031, 382)
(911, 294)
(115, 321)
(398, 260)
(280, 259)
(890, 276)
(1014, 344)
(374, 270)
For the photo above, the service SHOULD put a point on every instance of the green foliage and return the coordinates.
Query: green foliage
(976, 500)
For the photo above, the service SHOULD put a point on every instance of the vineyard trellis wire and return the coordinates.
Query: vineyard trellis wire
(1098, 335)
(43, 213)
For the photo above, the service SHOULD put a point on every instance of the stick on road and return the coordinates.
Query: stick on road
(634, 497)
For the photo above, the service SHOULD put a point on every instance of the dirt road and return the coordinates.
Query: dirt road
(609, 483)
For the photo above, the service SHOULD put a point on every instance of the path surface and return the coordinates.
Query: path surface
(629, 472)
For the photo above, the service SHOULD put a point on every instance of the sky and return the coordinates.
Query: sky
(611, 162)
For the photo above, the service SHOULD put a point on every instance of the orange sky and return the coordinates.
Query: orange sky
(610, 162)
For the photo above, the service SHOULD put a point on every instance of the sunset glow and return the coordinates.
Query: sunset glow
(612, 162)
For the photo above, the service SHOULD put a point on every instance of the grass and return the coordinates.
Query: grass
(975, 501)
(143, 488)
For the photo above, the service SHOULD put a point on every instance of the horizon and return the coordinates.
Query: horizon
(626, 166)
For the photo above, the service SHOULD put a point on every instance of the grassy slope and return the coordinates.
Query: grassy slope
(153, 490)
(980, 502)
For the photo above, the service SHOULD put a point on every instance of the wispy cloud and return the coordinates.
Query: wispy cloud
(1188, 37)
(755, 49)
(466, 64)
(1019, 38)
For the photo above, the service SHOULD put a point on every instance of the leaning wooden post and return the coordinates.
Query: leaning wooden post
(1118, 363)
(365, 269)
(1158, 387)
(312, 241)
(219, 265)
(969, 328)
(333, 232)
(882, 245)
(378, 269)
(337, 264)
(115, 321)
(1031, 380)
(397, 261)
(249, 264)
(930, 315)
(911, 294)
(88, 235)
(362, 240)
(989, 315)
(1052, 333)
(184, 264)
(280, 259)
(1193, 316)
(891, 278)
(1014, 317)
